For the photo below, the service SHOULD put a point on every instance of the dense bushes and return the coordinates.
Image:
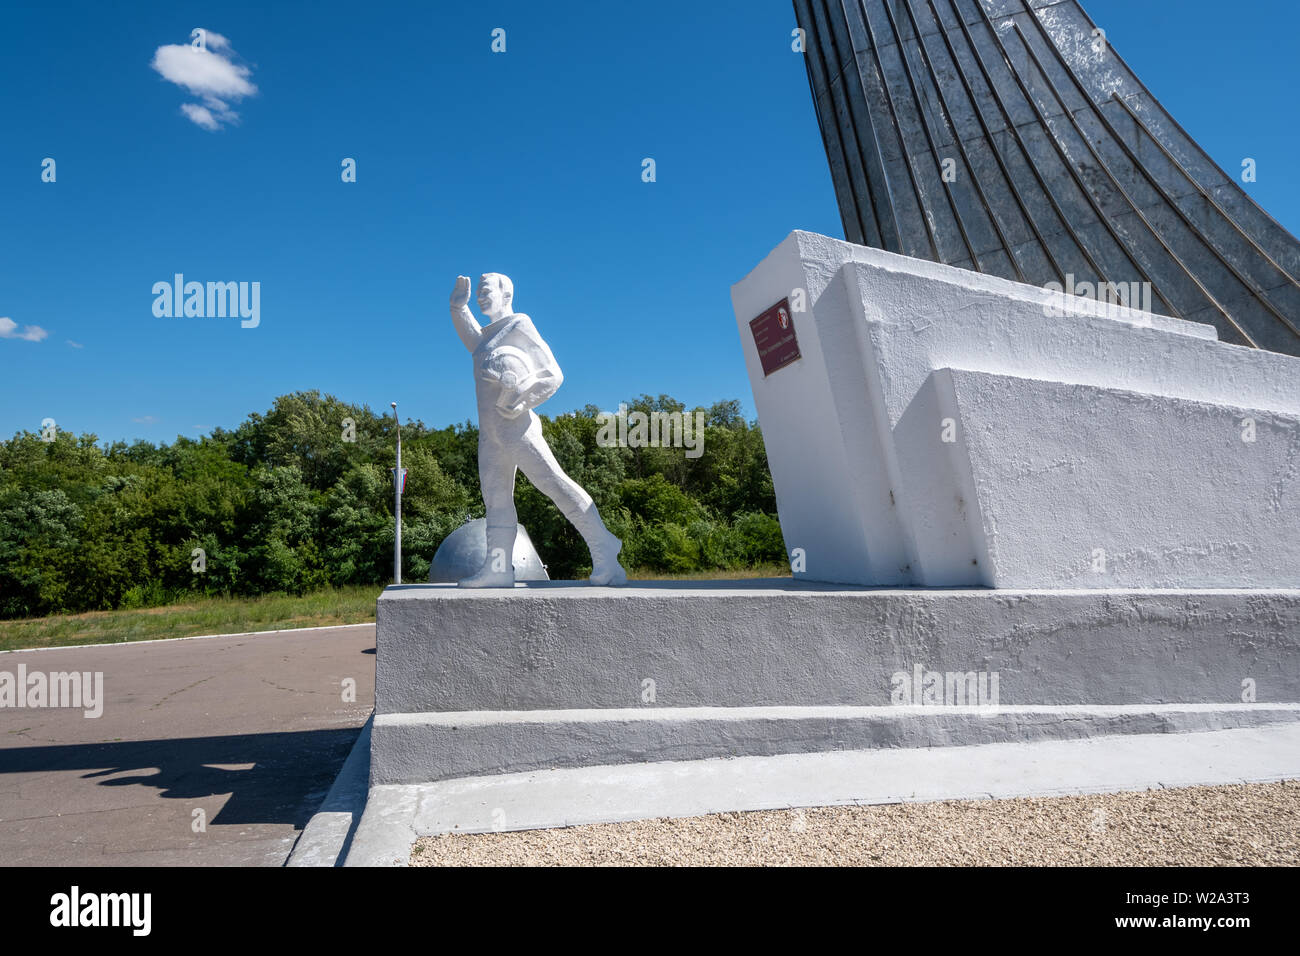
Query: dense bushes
(294, 500)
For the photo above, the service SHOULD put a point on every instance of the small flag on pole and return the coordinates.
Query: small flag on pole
(400, 484)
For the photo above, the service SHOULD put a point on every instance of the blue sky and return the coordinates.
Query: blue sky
(527, 162)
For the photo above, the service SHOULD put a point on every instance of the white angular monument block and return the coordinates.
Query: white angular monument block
(927, 425)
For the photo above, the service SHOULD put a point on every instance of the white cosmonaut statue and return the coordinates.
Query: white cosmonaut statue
(514, 372)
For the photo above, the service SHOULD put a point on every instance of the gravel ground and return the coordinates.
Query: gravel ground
(1248, 824)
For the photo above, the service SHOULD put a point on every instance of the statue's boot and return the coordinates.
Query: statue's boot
(500, 542)
(604, 547)
(605, 569)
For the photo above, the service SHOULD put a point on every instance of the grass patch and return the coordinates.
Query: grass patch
(191, 618)
(234, 615)
(759, 571)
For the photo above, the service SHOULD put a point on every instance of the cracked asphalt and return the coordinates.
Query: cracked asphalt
(210, 752)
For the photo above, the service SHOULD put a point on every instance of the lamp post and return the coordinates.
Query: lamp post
(399, 479)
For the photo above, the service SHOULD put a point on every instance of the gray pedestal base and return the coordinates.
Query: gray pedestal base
(559, 674)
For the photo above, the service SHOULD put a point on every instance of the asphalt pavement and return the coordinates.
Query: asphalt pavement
(209, 751)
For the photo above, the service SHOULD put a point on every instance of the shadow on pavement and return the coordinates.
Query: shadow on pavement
(289, 775)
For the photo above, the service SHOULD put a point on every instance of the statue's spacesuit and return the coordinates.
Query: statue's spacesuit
(514, 372)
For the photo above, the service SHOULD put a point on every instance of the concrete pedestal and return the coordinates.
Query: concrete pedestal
(561, 674)
(942, 428)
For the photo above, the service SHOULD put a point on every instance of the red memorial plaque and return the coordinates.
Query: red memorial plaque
(774, 337)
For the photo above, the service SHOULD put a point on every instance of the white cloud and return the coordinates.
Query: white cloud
(75, 345)
(29, 333)
(201, 115)
(215, 41)
(146, 420)
(211, 74)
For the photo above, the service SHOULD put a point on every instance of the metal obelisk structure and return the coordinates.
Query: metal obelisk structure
(1008, 137)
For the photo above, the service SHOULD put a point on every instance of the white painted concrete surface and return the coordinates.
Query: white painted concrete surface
(1097, 416)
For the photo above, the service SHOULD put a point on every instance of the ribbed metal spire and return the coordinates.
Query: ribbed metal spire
(1008, 137)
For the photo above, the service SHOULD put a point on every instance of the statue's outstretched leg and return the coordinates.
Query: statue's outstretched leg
(538, 463)
(496, 474)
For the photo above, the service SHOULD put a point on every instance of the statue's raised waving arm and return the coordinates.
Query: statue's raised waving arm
(466, 327)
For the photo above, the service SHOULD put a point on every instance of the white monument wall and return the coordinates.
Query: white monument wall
(1102, 447)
